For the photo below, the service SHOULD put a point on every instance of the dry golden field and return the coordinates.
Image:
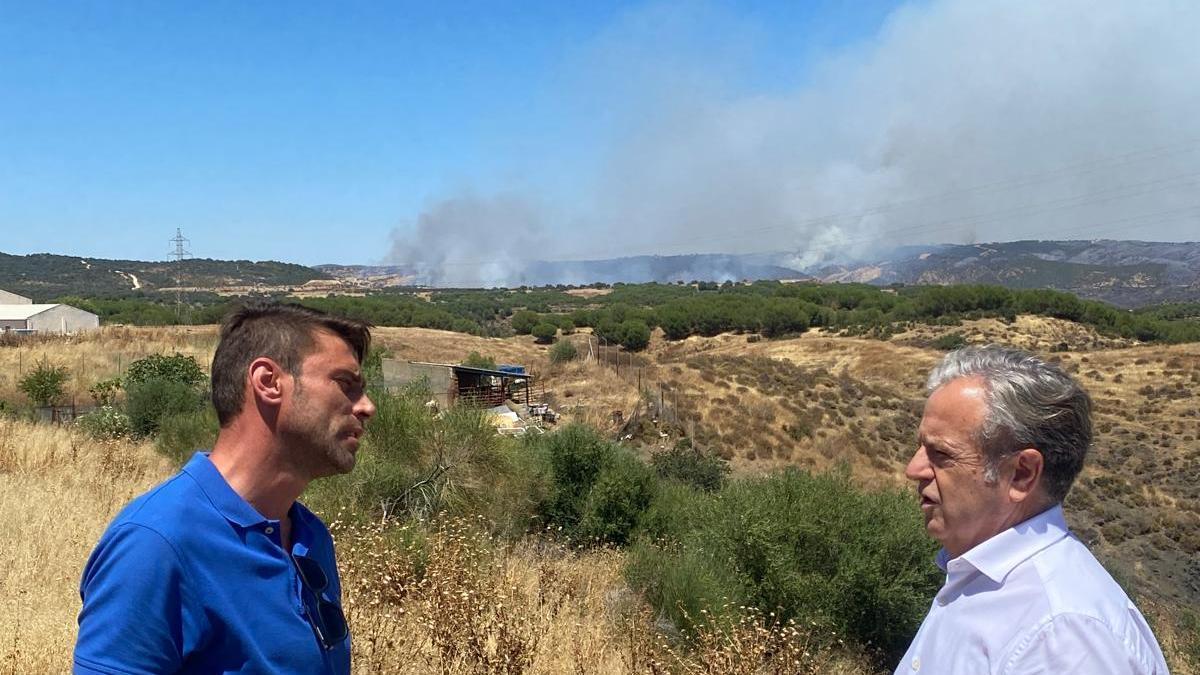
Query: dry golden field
(480, 607)
(813, 401)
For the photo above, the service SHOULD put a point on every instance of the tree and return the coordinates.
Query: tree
(544, 332)
(477, 360)
(44, 384)
(524, 321)
(635, 335)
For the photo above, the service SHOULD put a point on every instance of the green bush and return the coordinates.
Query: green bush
(104, 392)
(689, 466)
(695, 587)
(670, 510)
(413, 465)
(617, 500)
(477, 360)
(105, 422)
(372, 366)
(149, 401)
(809, 548)
(634, 335)
(593, 490)
(950, 342)
(175, 368)
(563, 351)
(524, 320)
(44, 384)
(181, 434)
(544, 332)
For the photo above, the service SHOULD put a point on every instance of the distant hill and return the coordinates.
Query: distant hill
(1123, 273)
(43, 276)
(630, 270)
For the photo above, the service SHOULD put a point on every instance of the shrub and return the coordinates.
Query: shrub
(105, 422)
(104, 392)
(616, 502)
(477, 360)
(950, 342)
(180, 435)
(544, 332)
(413, 465)
(372, 366)
(524, 320)
(565, 324)
(671, 510)
(563, 351)
(809, 548)
(44, 384)
(574, 457)
(149, 401)
(687, 580)
(175, 368)
(691, 467)
(634, 335)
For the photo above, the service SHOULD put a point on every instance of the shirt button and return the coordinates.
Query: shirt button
(916, 663)
(269, 530)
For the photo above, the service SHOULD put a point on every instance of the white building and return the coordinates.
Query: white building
(7, 298)
(31, 318)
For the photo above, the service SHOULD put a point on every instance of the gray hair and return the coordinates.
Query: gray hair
(1031, 404)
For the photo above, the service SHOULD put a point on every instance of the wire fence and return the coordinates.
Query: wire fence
(658, 402)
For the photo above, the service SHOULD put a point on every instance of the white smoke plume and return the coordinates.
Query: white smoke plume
(470, 241)
(960, 120)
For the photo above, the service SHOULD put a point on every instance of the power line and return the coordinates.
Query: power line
(179, 252)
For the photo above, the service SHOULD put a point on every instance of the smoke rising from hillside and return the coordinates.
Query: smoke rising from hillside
(961, 120)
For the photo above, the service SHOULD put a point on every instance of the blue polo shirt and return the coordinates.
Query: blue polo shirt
(190, 578)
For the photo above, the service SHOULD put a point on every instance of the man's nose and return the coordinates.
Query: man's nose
(919, 468)
(365, 407)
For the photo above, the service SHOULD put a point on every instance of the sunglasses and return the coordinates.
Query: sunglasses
(329, 623)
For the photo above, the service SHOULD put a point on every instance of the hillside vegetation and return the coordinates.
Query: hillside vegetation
(465, 551)
(43, 276)
(622, 312)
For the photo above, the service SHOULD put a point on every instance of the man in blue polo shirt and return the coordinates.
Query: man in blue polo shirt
(220, 569)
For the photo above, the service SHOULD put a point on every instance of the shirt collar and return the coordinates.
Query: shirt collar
(231, 505)
(996, 557)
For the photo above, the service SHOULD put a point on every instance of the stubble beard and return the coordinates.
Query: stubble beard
(315, 443)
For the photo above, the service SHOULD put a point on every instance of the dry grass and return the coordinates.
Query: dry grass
(813, 401)
(470, 605)
(478, 606)
(97, 355)
(58, 490)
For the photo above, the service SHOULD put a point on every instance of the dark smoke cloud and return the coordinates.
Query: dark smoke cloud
(961, 120)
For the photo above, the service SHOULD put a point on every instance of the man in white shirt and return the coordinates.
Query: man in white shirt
(1003, 436)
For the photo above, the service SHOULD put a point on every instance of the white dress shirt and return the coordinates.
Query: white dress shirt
(1032, 599)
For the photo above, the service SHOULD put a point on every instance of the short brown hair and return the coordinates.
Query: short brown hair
(283, 332)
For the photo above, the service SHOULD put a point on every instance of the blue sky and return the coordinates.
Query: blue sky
(317, 132)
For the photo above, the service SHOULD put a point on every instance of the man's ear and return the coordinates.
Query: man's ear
(1027, 474)
(266, 381)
